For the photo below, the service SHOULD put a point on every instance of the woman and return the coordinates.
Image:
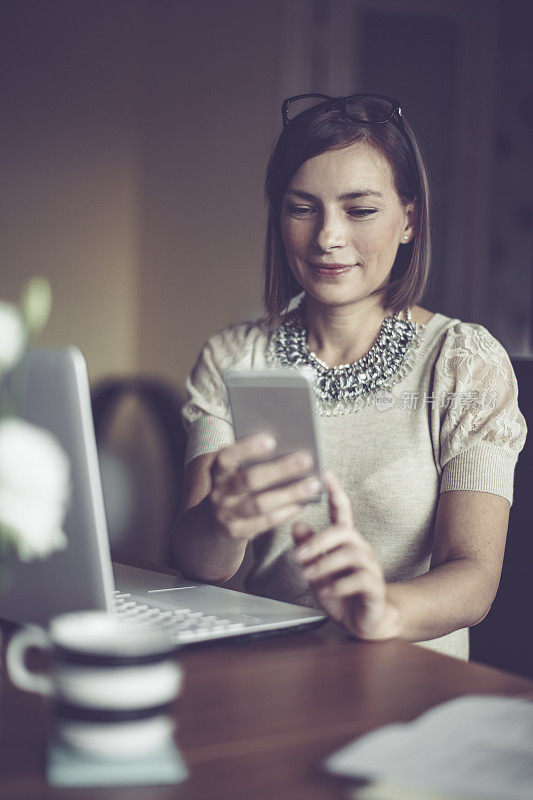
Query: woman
(419, 411)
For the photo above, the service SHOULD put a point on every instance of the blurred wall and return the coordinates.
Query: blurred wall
(134, 139)
(209, 113)
(69, 170)
(135, 135)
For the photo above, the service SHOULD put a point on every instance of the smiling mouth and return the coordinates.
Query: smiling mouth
(331, 269)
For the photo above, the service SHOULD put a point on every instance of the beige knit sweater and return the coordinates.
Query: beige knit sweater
(453, 423)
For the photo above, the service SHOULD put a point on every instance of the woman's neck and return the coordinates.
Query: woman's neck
(343, 334)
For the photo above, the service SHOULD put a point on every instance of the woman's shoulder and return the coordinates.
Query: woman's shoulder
(235, 342)
(453, 347)
(451, 332)
(470, 338)
(468, 352)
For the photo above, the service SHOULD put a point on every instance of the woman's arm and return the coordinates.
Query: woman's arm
(201, 554)
(226, 503)
(457, 592)
(466, 564)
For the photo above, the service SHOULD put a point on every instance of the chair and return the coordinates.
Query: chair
(141, 446)
(504, 639)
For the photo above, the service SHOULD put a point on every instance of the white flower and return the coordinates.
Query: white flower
(34, 488)
(12, 336)
(36, 303)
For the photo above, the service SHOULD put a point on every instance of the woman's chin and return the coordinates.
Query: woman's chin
(333, 296)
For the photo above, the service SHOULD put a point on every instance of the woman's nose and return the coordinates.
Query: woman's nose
(330, 233)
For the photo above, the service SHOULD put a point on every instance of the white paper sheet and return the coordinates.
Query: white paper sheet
(475, 746)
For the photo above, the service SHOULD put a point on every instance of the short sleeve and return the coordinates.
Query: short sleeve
(482, 430)
(205, 413)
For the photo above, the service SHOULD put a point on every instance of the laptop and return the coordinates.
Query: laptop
(82, 576)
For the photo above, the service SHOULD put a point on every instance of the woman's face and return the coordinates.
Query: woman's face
(342, 222)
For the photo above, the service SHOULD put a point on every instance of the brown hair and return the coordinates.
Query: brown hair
(326, 127)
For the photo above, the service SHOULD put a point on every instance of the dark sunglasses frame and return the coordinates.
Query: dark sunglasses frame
(343, 101)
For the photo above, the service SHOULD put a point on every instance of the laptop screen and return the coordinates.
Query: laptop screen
(57, 398)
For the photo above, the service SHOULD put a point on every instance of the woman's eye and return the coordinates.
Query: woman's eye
(361, 212)
(299, 211)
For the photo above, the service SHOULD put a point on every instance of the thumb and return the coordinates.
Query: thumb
(340, 507)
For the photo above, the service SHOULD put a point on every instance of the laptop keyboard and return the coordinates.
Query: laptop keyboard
(182, 624)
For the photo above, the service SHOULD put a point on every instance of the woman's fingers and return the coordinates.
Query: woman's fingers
(248, 499)
(249, 527)
(253, 505)
(329, 539)
(340, 508)
(230, 459)
(301, 531)
(355, 583)
(259, 477)
(345, 559)
(234, 472)
(342, 568)
(297, 492)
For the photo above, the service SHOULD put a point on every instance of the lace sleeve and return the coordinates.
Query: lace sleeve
(482, 429)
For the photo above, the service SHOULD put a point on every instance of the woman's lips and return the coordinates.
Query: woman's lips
(330, 270)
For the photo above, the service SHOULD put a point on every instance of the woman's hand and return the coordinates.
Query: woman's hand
(247, 500)
(344, 572)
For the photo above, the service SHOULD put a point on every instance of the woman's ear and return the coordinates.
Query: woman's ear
(409, 229)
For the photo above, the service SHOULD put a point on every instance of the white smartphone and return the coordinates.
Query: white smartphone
(280, 402)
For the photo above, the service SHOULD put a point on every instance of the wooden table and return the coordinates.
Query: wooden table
(257, 717)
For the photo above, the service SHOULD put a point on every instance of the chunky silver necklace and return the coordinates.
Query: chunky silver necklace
(348, 387)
